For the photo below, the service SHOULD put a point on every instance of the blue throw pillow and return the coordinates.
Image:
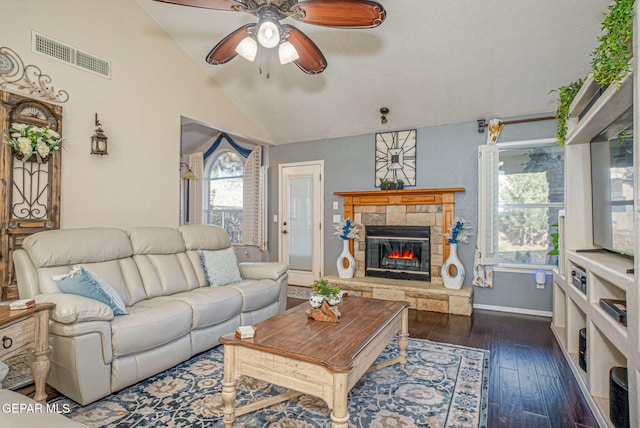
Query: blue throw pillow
(87, 284)
(220, 267)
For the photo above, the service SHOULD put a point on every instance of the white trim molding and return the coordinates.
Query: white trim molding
(524, 311)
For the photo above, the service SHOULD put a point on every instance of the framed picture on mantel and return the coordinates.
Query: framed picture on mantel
(396, 158)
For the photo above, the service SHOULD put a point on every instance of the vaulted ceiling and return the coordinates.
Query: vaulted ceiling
(431, 62)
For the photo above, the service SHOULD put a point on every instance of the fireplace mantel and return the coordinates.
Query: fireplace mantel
(410, 207)
(441, 196)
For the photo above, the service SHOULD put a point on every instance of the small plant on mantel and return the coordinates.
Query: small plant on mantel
(390, 184)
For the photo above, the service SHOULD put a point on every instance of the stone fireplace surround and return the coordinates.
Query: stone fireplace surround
(429, 207)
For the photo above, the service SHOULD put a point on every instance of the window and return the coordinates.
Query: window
(530, 194)
(224, 176)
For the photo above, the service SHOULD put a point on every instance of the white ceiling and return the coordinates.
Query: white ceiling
(431, 62)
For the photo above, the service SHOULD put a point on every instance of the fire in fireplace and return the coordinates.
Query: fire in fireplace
(399, 252)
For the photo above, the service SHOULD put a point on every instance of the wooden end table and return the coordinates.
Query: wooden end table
(28, 329)
(322, 359)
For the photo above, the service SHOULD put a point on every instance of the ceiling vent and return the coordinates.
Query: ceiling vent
(46, 46)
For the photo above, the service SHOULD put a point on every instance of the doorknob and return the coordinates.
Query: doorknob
(284, 231)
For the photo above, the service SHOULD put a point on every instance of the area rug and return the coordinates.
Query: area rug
(19, 374)
(442, 386)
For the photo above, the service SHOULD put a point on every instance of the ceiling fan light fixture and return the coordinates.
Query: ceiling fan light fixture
(247, 48)
(287, 53)
(269, 34)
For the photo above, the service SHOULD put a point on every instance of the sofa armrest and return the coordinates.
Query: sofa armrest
(262, 270)
(71, 308)
(26, 275)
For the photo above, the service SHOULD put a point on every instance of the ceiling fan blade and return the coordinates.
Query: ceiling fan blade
(311, 60)
(230, 5)
(225, 50)
(340, 13)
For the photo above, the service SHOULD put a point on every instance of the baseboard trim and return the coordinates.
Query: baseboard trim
(535, 312)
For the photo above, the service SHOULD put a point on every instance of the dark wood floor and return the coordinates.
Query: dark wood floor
(530, 383)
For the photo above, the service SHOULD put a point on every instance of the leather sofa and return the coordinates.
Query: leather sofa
(173, 313)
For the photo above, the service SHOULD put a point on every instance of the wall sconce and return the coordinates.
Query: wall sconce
(99, 140)
(384, 111)
(188, 174)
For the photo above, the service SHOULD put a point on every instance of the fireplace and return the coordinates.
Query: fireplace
(398, 252)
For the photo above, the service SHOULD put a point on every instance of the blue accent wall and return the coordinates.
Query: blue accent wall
(447, 156)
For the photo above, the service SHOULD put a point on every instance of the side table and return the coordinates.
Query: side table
(28, 329)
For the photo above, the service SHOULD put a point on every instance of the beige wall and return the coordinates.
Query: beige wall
(152, 84)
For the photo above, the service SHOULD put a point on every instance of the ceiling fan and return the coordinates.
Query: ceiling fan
(293, 45)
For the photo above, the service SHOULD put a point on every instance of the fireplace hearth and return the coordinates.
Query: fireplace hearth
(398, 252)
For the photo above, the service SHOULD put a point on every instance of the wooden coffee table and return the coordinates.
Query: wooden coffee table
(322, 359)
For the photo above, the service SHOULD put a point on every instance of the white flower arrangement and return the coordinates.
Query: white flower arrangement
(30, 140)
(459, 231)
(346, 229)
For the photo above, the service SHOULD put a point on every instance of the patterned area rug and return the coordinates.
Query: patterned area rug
(441, 386)
(19, 373)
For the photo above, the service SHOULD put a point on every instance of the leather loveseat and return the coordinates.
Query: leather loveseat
(172, 311)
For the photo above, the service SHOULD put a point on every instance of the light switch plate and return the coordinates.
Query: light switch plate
(336, 218)
(275, 218)
(335, 205)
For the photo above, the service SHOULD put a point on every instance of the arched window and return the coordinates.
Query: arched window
(223, 189)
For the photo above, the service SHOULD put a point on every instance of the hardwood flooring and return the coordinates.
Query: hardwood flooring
(530, 382)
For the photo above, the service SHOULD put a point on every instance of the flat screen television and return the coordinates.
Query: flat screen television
(612, 186)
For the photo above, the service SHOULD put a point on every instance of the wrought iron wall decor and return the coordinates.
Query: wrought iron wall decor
(30, 198)
(29, 78)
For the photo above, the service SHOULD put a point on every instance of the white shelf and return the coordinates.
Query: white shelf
(609, 343)
(611, 104)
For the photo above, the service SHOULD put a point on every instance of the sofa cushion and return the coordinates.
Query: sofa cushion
(220, 267)
(72, 309)
(67, 247)
(162, 262)
(150, 323)
(204, 237)
(87, 284)
(211, 305)
(156, 240)
(257, 293)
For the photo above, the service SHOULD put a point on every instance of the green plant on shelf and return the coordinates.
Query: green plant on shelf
(610, 63)
(566, 94)
(554, 241)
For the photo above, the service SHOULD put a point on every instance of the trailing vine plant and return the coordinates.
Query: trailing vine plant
(566, 94)
(610, 64)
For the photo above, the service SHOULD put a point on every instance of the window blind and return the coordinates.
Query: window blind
(488, 157)
(254, 201)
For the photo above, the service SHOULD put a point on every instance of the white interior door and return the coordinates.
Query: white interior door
(300, 220)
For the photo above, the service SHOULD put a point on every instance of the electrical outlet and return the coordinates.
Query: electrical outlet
(336, 218)
(335, 205)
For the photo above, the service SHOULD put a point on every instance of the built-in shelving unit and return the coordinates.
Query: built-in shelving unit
(609, 343)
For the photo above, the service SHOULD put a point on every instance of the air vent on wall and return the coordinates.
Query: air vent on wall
(46, 46)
